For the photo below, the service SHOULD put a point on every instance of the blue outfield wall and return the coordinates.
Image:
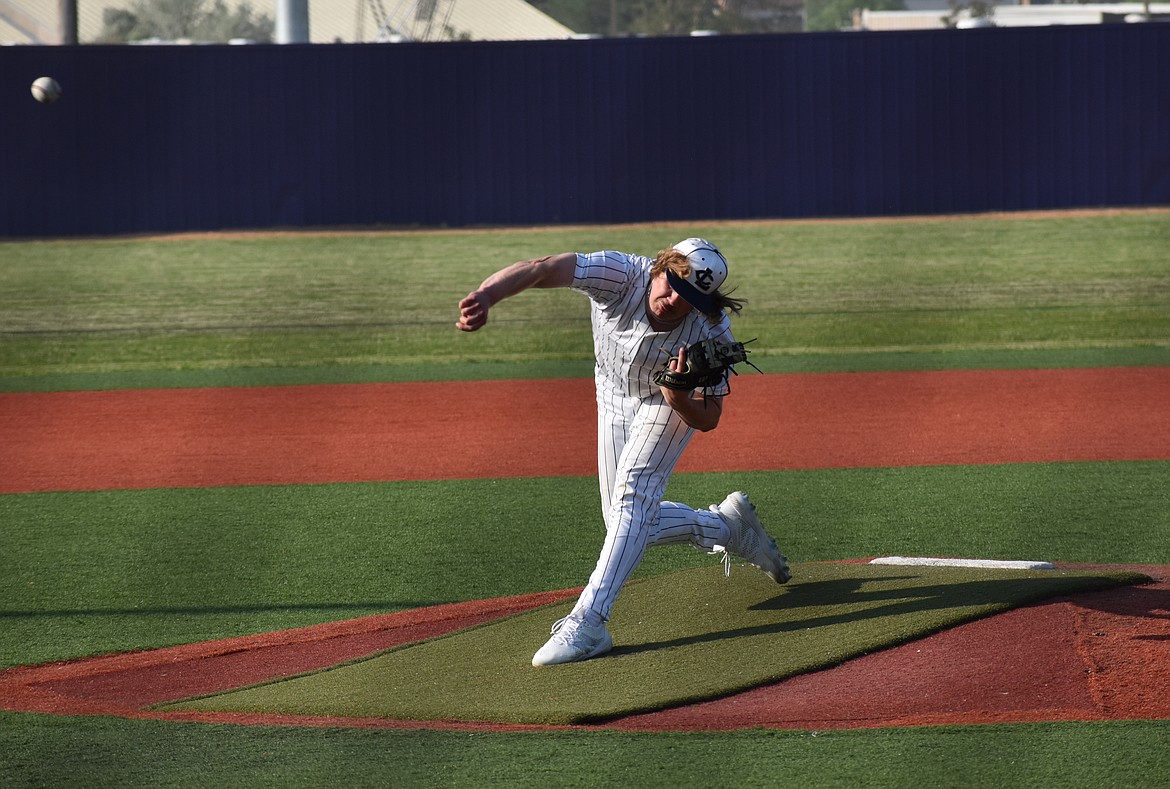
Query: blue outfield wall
(152, 139)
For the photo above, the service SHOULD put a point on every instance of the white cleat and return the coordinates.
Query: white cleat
(748, 538)
(572, 640)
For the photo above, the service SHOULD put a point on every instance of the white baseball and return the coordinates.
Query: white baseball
(46, 90)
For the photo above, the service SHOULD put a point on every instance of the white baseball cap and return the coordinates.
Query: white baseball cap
(708, 272)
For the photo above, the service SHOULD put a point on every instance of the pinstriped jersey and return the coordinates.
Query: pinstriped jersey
(626, 348)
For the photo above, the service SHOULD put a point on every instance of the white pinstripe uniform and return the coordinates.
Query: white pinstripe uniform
(639, 436)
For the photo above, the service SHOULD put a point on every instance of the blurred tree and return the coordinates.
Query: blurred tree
(580, 16)
(197, 20)
(838, 14)
(670, 17)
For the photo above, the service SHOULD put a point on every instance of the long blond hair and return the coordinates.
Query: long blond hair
(680, 266)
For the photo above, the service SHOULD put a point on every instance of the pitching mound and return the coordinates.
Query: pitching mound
(1029, 663)
(684, 637)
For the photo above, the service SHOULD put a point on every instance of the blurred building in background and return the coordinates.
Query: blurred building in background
(937, 14)
(330, 21)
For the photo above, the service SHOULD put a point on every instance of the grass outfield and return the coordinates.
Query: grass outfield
(382, 306)
(55, 751)
(92, 572)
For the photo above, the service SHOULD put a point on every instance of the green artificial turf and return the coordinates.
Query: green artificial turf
(91, 573)
(85, 573)
(51, 750)
(318, 306)
(456, 369)
(681, 638)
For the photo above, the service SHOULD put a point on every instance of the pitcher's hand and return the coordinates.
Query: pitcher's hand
(473, 311)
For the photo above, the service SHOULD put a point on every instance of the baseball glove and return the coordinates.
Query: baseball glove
(708, 363)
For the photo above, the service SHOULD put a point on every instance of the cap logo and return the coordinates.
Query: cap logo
(703, 278)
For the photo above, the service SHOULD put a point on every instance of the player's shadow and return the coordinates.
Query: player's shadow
(862, 602)
(1139, 602)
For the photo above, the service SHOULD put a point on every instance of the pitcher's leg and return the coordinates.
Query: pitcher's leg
(656, 440)
(615, 415)
(678, 523)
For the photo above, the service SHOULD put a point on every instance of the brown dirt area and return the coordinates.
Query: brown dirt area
(370, 432)
(1098, 656)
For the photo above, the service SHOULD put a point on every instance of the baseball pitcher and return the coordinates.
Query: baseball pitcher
(663, 347)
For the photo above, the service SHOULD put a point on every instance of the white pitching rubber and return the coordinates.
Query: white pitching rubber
(991, 564)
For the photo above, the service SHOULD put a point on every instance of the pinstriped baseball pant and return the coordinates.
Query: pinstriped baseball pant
(639, 441)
